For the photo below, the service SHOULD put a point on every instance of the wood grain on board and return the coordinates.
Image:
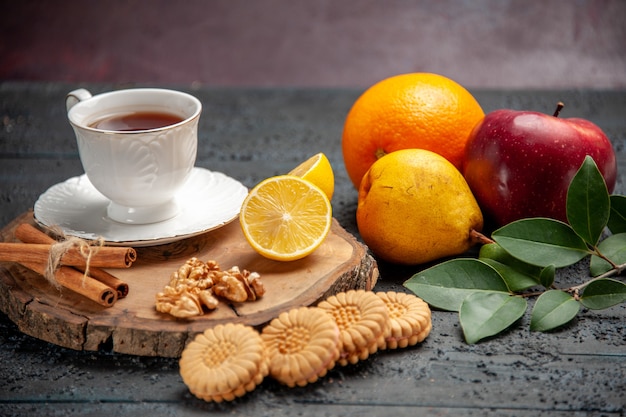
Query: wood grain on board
(133, 326)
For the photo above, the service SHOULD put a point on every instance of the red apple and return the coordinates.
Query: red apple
(519, 164)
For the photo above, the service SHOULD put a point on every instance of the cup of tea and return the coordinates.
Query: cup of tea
(137, 147)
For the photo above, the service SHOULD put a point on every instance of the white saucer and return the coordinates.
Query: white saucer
(208, 201)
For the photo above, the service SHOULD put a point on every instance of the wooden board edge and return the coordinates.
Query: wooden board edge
(80, 333)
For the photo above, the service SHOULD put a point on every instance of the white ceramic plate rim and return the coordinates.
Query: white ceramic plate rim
(208, 200)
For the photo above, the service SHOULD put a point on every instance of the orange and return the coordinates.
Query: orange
(285, 218)
(318, 170)
(415, 110)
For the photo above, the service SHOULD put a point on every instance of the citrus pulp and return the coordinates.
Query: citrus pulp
(318, 170)
(285, 217)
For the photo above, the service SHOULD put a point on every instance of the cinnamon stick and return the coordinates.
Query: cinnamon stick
(107, 279)
(28, 233)
(103, 257)
(74, 280)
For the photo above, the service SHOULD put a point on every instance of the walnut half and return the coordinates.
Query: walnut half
(196, 286)
(239, 286)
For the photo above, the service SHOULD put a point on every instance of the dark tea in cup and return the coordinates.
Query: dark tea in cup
(133, 121)
(138, 147)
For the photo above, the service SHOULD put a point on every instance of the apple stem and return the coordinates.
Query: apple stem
(559, 107)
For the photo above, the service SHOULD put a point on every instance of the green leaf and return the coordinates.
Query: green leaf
(588, 205)
(546, 278)
(614, 248)
(617, 219)
(542, 242)
(552, 309)
(515, 280)
(486, 314)
(518, 275)
(603, 293)
(445, 285)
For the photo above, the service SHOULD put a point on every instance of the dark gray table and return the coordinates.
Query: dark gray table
(251, 134)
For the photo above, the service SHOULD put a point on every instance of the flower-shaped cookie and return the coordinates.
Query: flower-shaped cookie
(224, 362)
(363, 322)
(302, 345)
(410, 319)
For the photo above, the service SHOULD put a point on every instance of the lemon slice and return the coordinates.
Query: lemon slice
(285, 217)
(318, 170)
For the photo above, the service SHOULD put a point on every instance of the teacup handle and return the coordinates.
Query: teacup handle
(73, 97)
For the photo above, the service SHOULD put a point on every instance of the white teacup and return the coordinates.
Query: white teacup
(140, 171)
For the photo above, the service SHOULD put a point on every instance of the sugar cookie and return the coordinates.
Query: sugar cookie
(410, 319)
(302, 345)
(363, 323)
(224, 362)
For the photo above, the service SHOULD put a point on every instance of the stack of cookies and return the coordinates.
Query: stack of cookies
(301, 345)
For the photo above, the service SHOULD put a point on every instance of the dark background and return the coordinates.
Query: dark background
(479, 43)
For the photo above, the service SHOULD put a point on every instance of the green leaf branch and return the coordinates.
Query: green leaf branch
(521, 259)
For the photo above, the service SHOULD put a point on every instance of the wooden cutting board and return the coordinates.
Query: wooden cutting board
(133, 325)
